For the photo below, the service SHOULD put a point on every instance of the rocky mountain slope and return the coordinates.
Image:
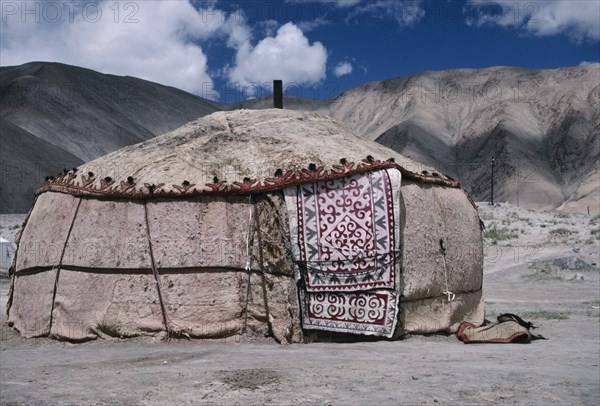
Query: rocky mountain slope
(541, 126)
(56, 116)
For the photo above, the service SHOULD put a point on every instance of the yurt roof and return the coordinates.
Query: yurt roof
(242, 151)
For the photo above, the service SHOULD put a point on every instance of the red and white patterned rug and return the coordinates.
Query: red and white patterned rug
(345, 239)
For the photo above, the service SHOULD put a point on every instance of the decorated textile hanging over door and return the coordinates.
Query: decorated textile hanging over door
(345, 239)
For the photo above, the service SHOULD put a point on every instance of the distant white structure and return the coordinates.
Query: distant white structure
(7, 250)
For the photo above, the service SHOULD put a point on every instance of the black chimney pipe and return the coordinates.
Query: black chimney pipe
(278, 94)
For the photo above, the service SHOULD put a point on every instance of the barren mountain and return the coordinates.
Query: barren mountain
(26, 161)
(57, 115)
(542, 126)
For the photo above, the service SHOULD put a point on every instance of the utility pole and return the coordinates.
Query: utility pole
(518, 172)
(518, 178)
(492, 202)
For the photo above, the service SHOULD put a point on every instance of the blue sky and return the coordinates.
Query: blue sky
(231, 50)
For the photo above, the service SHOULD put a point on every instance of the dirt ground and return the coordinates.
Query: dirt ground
(548, 277)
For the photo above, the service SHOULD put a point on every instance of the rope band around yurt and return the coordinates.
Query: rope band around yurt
(450, 296)
(254, 228)
(263, 276)
(248, 268)
(60, 261)
(155, 275)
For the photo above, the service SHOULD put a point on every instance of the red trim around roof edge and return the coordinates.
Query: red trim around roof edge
(67, 183)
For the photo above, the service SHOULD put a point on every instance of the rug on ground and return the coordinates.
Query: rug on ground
(345, 239)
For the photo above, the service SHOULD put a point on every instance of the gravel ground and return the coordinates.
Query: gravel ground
(550, 278)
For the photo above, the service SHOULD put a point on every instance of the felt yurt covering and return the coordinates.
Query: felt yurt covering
(246, 222)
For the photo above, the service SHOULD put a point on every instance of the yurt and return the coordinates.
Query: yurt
(7, 250)
(268, 223)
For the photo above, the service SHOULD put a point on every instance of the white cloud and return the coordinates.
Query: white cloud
(406, 13)
(342, 68)
(161, 42)
(588, 63)
(343, 3)
(157, 41)
(310, 25)
(269, 27)
(577, 18)
(287, 56)
(336, 3)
